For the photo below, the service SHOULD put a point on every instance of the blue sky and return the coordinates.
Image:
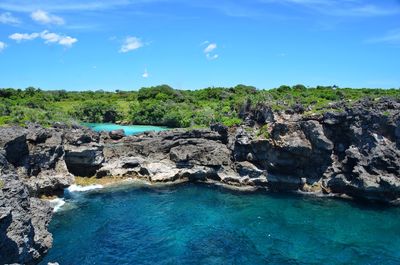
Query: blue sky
(128, 44)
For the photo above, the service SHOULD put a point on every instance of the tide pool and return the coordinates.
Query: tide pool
(129, 129)
(198, 224)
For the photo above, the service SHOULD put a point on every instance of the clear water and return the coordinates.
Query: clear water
(193, 224)
(129, 129)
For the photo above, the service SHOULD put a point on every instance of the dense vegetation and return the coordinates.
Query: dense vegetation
(163, 105)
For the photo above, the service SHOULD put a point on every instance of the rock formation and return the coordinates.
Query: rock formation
(349, 150)
(23, 220)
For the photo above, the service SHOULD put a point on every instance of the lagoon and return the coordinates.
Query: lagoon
(129, 129)
(199, 224)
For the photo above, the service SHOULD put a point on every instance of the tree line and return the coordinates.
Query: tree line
(164, 106)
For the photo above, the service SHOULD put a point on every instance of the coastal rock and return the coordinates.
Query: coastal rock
(289, 150)
(13, 141)
(24, 237)
(37, 134)
(315, 134)
(84, 160)
(200, 152)
(260, 114)
(80, 135)
(49, 183)
(117, 134)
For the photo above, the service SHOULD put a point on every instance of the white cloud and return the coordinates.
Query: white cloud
(8, 18)
(145, 74)
(44, 17)
(18, 37)
(48, 37)
(2, 46)
(210, 48)
(212, 57)
(130, 44)
(67, 41)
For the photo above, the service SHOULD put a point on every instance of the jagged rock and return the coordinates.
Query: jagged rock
(130, 163)
(162, 171)
(287, 152)
(315, 134)
(13, 141)
(49, 183)
(4, 165)
(37, 134)
(117, 134)
(84, 160)
(333, 118)
(298, 108)
(247, 169)
(261, 114)
(200, 152)
(80, 135)
(222, 130)
(125, 167)
(43, 157)
(24, 237)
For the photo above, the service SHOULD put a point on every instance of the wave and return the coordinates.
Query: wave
(77, 188)
(57, 204)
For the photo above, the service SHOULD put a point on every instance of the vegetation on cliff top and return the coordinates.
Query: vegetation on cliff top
(163, 105)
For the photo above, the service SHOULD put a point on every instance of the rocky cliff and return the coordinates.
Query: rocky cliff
(351, 151)
(23, 220)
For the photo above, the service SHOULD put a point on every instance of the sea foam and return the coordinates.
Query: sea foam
(77, 188)
(57, 204)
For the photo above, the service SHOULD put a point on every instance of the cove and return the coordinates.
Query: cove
(199, 224)
(128, 129)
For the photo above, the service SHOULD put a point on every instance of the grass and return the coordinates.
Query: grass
(264, 132)
(1, 183)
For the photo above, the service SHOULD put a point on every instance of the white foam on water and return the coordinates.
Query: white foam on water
(57, 204)
(77, 188)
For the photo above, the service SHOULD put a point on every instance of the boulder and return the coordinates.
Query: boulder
(80, 135)
(13, 141)
(37, 134)
(117, 134)
(84, 160)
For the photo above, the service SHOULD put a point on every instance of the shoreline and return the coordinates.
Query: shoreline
(136, 182)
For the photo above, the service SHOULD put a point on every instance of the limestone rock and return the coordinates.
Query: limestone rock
(24, 237)
(84, 160)
(117, 134)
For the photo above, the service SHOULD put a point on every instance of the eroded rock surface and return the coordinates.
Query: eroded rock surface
(24, 238)
(352, 151)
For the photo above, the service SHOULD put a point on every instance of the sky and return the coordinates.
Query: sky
(192, 44)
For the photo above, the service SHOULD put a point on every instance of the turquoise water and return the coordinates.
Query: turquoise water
(192, 224)
(129, 129)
